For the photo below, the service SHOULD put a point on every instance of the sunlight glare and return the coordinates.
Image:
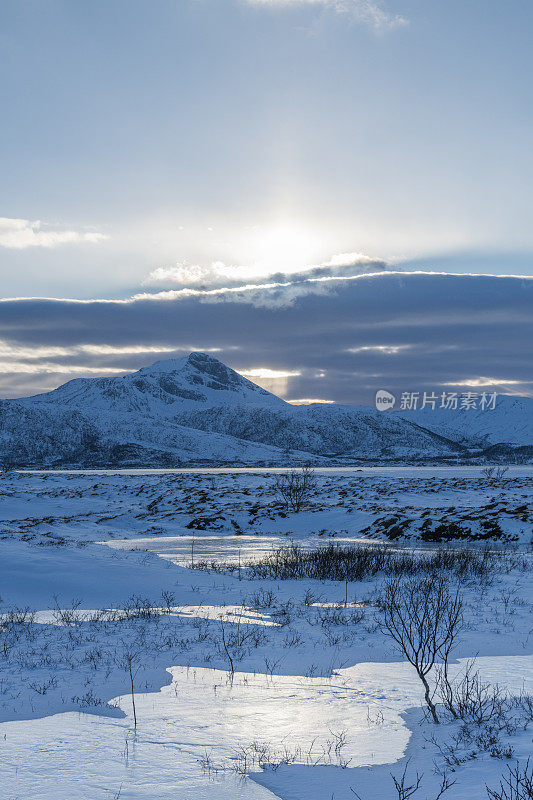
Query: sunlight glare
(284, 247)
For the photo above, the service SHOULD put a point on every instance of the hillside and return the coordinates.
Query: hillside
(511, 422)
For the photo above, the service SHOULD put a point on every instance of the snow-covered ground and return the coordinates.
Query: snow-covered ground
(236, 675)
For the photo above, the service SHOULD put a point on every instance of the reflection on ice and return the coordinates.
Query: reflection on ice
(186, 551)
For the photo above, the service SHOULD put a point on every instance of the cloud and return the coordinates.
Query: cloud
(402, 331)
(18, 234)
(219, 275)
(82, 360)
(141, 349)
(45, 367)
(367, 12)
(386, 349)
(482, 382)
(307, 401)
(185, 274)
(264, 372)
(219, 282)
(269, 295)
(273, 380)
(351, 260)
(15, 352)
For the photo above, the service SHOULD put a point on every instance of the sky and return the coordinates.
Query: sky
(332, 196)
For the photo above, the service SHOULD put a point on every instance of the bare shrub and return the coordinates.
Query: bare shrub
(423, 617)
(524, 702)
(469, 699)
(516, 785)
(66, 616)
(494, 474)
(129, 661)
(169, 599)
(140, 608)
(295, 488)
(356, 562)
(17, 617)
(263, 598)
(405, 789)
(43, 688)
(226, 648)
(263, 755)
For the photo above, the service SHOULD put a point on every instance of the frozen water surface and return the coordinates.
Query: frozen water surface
(228, 613)
(202, 712)
(189, 550)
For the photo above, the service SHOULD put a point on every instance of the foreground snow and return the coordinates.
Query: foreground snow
(315, 685)
(192, 735)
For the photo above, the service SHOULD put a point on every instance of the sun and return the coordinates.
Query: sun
(284, 247)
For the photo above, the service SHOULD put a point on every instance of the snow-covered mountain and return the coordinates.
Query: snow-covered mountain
(510, 422)
(197, 410)
(163, 389)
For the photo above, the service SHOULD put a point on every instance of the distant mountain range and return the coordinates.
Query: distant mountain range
(197, 411)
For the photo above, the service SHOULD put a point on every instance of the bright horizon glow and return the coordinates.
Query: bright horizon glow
(275, 381)
(264, 372)
(307, 401)
(284, 247)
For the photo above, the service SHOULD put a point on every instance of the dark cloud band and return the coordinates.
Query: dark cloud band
(402, 331)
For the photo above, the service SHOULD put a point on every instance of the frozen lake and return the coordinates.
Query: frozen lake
(189, 550)
(396, 471)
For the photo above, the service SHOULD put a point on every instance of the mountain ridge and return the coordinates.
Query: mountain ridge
(197, 410)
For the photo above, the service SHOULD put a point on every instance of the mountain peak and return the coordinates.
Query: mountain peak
(198, 358)
(195, 359)
(198, 362)
(201, 377)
